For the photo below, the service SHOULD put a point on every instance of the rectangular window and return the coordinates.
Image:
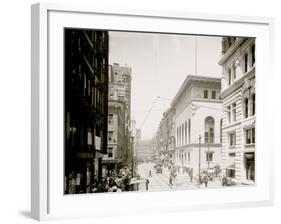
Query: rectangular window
(189, 130)
(205, 94)
(110, 136)
(213, 94)
(209, 136)
(250, 166)
(232, 139)
(229, 114)
(185, 131)
(234, 112)
(89, 87)
(188, 155)
(250, 136)
(212, 135)
(90, 137)
(246, 63)
(110, 119)
(85, 84)
(110, 152)
(230, 173)
(229, 77)
(234, 73)
(253, 50)
(253, 135)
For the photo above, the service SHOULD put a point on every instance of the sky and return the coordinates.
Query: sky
(160, 64)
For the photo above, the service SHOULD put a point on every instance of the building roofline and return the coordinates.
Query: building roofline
(187, 82)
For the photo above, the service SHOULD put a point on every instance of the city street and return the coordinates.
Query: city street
(160, 181)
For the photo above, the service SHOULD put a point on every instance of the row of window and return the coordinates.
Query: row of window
(213, 94)
(182, 131)
(249, 135)
(185, 157)
(81, 135)
(249, 62)
(249, 109)
(209, 134)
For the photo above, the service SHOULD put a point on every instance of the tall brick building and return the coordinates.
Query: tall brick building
(86, 107)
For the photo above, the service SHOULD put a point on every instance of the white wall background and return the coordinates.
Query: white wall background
(15, 111)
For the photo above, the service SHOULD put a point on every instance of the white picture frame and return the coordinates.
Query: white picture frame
(47, 202)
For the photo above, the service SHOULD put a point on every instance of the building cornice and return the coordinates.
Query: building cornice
(231, 50)
(206, 100)
(237, 84)
(188, 146)
(187, 83)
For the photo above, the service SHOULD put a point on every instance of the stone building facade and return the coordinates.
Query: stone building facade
(120, 149)
(238, 99)
(198, 113)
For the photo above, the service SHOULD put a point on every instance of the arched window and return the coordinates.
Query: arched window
(209, 129)
(246, 107)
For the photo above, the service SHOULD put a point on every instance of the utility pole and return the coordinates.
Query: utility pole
(132, 152)
(208, 156)
(199, 171)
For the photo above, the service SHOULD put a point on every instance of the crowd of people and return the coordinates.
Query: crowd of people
(118, 181)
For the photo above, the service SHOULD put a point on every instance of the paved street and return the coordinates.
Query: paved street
(160, 181)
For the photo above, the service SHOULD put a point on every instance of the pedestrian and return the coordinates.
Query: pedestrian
(146, 183)
(170, 180)
(191, 174)
(150, 175)
(205, 179)
(224, 181)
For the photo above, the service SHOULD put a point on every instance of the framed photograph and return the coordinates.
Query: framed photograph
(148, 111)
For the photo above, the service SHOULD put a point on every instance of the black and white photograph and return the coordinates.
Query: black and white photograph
(157, 111)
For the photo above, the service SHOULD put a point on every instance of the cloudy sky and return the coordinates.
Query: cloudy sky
(160, 63)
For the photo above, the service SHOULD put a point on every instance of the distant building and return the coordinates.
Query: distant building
(138, 135)
(239, 110)
(198, 114)
(120, 78)
(165, 137)
(86, 93)
(119, 114)
(116, 139)
(144, 150)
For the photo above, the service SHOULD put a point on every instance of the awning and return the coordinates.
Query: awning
(137, 181)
